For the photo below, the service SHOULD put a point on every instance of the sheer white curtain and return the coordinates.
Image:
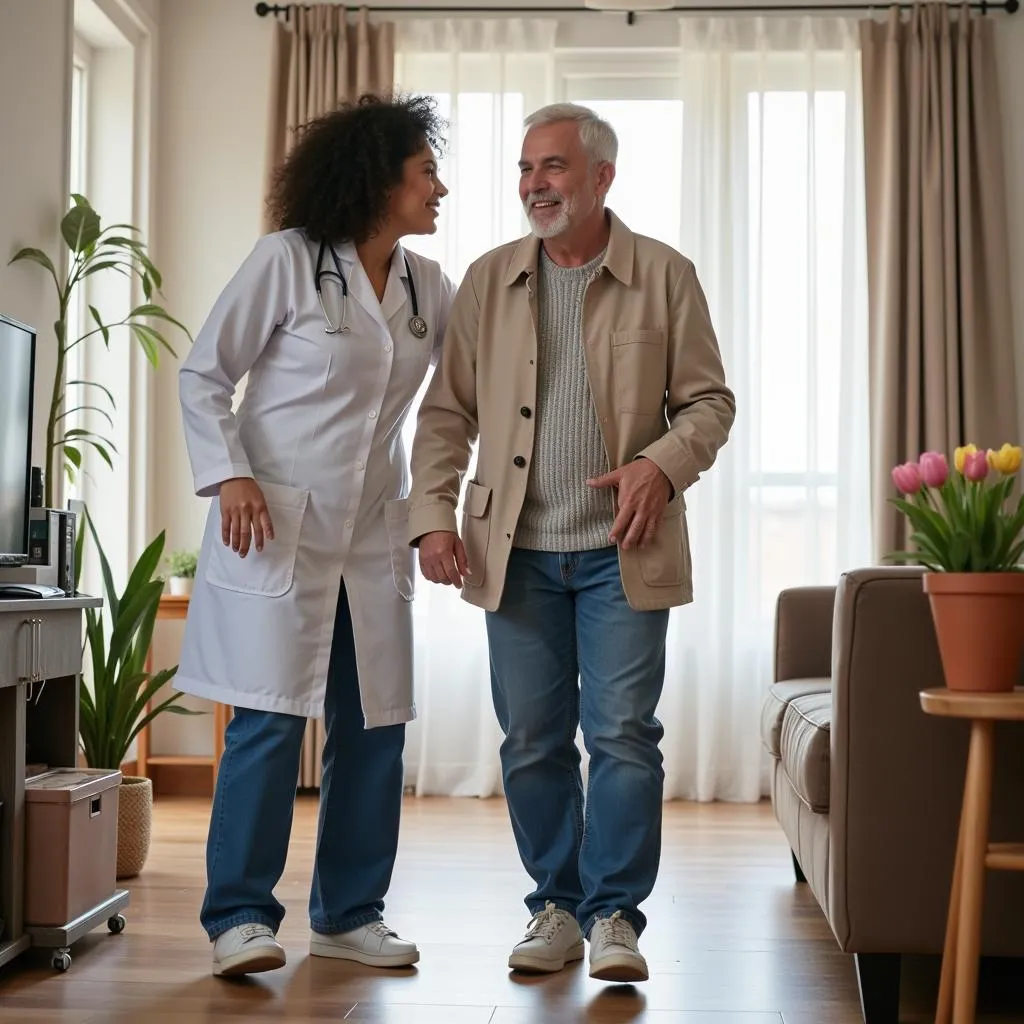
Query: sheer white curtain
(487, 75)
(772, 215)
(751, 166)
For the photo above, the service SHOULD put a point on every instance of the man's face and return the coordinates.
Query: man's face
(558, 186)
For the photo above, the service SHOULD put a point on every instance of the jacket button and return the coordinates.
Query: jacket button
(525, 411)
(519, 461)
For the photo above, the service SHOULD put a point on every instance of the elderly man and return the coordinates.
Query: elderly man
(584, 359)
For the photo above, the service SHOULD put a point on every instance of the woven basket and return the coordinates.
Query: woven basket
(134, 825)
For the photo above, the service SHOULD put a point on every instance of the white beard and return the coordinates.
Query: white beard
(551, 227)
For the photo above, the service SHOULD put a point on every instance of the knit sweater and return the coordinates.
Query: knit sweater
(561, 512)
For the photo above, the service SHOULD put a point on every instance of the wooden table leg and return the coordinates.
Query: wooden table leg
(947, 980)
(977, 814)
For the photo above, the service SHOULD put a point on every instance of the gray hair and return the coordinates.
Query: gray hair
(597, 135)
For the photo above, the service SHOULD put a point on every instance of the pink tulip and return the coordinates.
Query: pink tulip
(976, 466)
(934, 469)
(907, 478)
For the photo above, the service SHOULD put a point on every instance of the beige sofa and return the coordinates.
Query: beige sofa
(867, 787)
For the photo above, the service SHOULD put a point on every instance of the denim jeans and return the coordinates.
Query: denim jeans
(360, 808)
(567, 650)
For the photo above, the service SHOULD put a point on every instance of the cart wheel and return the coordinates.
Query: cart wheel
(116, 924)
(61, 961)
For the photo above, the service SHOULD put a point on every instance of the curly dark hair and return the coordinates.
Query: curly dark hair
(336, 182)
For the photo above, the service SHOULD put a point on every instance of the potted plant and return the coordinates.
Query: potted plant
(115, 709)
(968, 533)
(182, 568)
(93, 250)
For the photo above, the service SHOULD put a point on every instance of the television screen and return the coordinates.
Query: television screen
(17, 365)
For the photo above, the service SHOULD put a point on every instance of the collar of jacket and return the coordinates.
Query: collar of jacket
(618, 257)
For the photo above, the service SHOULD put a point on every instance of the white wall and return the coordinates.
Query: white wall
(35, 67)
(213, 98)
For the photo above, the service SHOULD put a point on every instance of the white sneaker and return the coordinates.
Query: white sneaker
(247, 949)
(553, 939)
(373, 944)
(614, 955)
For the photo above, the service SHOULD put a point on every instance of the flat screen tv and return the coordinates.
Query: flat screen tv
(17, 380)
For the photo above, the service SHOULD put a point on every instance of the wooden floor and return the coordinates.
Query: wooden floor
(731, 940)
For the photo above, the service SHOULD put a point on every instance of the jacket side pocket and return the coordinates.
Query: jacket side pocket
(663, 560)
(476, 531)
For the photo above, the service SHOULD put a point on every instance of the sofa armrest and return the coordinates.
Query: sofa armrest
(803, 633)
(897, 778)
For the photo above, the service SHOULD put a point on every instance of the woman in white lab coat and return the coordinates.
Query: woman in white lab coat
(301, 599)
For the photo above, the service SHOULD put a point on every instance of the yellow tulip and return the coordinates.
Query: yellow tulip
(1006, 460)
(960, 456)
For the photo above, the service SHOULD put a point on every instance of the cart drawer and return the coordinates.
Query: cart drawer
(40, 645)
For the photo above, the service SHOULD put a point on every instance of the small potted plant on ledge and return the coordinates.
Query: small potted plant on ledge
(968, 533)
(181, 565)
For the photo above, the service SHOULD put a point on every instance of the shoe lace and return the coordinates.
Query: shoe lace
(545, 923)
(381, 929)
(619, 931)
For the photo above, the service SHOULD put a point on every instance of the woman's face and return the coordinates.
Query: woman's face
(414, 204)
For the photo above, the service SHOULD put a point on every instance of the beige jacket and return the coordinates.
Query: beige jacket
(658, 387)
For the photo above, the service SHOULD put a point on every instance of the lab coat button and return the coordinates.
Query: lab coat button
(349, 524)
(519, 461)
(373, 414)
(360, 464)
(387, 348)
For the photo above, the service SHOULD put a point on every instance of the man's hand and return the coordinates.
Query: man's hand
(243, 515)
(443, 558)
(644, 491)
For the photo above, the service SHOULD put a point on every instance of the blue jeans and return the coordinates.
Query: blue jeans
(251, 821)
(567, 650)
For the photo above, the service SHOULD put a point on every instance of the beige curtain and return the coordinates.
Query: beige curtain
(941, 343)
(321, 58)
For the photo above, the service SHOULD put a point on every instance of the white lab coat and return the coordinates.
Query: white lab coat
(319, 428)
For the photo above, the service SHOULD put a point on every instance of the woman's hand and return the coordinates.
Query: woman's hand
(244, 517)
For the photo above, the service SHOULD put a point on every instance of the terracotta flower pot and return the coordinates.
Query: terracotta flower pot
(979, 624)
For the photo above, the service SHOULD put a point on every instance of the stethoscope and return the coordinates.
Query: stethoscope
(417, 324)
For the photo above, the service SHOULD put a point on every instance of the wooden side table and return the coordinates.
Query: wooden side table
(958, 986)
(175, 607)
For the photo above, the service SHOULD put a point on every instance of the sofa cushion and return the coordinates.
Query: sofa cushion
(806, 729)
(773, 708)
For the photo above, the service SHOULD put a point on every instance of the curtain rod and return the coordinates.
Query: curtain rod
(1009, 6)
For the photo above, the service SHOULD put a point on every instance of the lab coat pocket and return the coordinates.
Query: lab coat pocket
(270, 572)
(403, 555)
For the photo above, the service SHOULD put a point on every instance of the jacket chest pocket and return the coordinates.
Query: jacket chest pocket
(639, 370)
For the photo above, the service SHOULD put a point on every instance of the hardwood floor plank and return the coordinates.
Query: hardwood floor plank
(731, 939)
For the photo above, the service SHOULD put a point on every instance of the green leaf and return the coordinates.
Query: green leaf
(86, 408)
(73, 455)
(94, 384)
(104, 329)
(80, 227)
(36, 256)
